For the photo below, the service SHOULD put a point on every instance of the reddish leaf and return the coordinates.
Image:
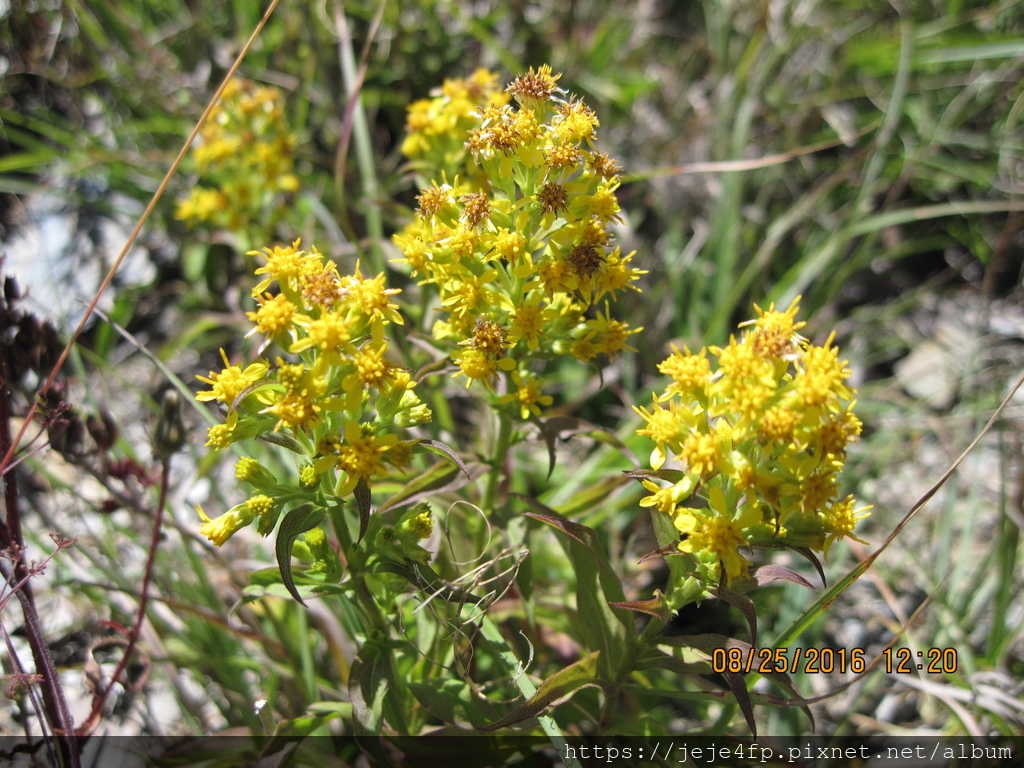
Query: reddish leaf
(766, 574)
(656, 606)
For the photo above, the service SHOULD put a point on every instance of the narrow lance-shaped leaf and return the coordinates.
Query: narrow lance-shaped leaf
(362, 494)
(296, 522)
(369, 683)
(603, 626)
(438, 447)
(555, 690)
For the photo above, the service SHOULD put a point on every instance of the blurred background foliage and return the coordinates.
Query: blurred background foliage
(866, 155)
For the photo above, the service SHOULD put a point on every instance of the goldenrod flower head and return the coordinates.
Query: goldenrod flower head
(373, 297)
(534, 89)
(562, 157)
(400, 454)
(308, 476)
(775, 334)
(372, 369)
(576, 122)
(528, 395)
(418, 521)
(435, 200)
(246, 468)
(476, 208)
(604, 166)
(322, 287)
(259, 504)
(719, 531)
(224, 526)
(702, 453)
(841, 519)
(615, 274)
(489, 337)
(585, 260)
(285, 264)
(820, 383)
(362, 453)
(232, 381)
(528, 321)
(329, 333)
(222, 435)
(553, 198)
(609, 335)
(274, 315)
(666, 427)
(295, 409)
(480, 366)
(690, 373)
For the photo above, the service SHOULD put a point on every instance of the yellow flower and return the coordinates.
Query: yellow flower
(576, 122)
(437, 200)
(528, 395)
(666, 427)
(534, 89)
(775, 333)
(296, 409)
(362, 454)
(614, 274)
(841, 519)
(528, 321)
(667, 499)
(274, 314)
(480, 366)
(259, 504)
(714, 530)
(372, 369)
(232, 381)
(702, 453)
(374, 298)
(222, 435)
(287, 265)
(330, 333)
(820, 377)
(610, 335)
(691, 373)
(223, 527)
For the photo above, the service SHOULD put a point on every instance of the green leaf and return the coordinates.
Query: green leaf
(671, 475)
(268, 582)
(602, 626)
(362, 494)
(453, 701)
(438, 447)
(369, 684)
(557, 689)
(440, 478)
(296, 522)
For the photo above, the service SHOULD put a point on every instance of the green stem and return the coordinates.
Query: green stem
(501, 448)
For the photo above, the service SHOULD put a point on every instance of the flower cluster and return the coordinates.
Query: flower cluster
(763, 439)
(245, 159)
(514, 231)
(332, 396)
